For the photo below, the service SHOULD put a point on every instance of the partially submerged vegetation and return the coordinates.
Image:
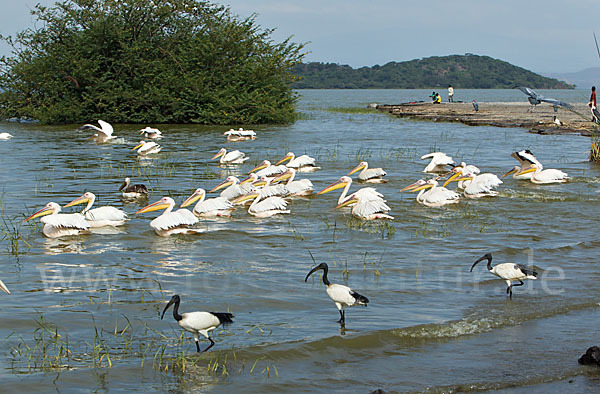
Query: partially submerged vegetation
(139, 61)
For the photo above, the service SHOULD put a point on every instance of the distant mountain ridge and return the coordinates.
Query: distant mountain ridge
(462, 71)
(583, 79)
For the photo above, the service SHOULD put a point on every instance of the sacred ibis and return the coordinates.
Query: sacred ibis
(508, 271)
(198, 322)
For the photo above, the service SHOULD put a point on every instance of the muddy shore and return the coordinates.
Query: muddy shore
(540, 120)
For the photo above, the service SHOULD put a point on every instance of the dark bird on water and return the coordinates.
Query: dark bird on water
(133, 191)
(343, 296)
(508, 271)
(198, 322)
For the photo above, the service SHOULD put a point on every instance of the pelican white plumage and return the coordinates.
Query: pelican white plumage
(99, 217)
(133, 191)
(439, 162)
(477, 186)
(239, 135)
(267, 189)
(171, 222)
(549, 175)
(151, 132)
(265, 168)
(145, 148)
(508, 271)
(367, 209)
(198, 322)
(58, 224)
(4, 288)
(525, 159)
(341, 295)
(206, 208)
(104, 132)
(233, 157)
(368, 193)
(234, 188)
(263, 208)
(437, 196)
(302, 163)
(370, 175)
(300, 188)
(5, 136)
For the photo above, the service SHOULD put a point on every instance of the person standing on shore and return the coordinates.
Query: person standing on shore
(592, 105)
(450, 94)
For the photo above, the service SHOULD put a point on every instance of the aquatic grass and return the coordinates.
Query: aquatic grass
(382, 227)
(595, 149)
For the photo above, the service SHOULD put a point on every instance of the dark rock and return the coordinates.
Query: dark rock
(591, 356)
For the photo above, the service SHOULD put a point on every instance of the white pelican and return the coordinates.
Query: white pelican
(508, 271)
(147, 148)
(265, 168)
(341, 295)
(5, 136)
(170, 222)
(302, 163)
(198, 322)
(367, 209)
(301, 187)
(234, 188)
(550, 175)
(133, 191)
(58, 224)
(525, 159)
(481, 185)
(219, 206)
(370, 175)
(437, 196)
(439, 161)
(99, 217)
(233, 157)
(104, 132)
(240, 135)
(345, 182)
(264, 208)
(151, 132)
(4, 288)
(266, 189)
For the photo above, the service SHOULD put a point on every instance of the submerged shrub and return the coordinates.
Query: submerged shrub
(142, 61)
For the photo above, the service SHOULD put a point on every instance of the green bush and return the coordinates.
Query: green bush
(143, 61)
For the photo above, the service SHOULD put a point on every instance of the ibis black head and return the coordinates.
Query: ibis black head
(174, 300)
(488, 257)
(322, 266)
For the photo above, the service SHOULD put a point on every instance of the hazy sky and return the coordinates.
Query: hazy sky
(539, 35)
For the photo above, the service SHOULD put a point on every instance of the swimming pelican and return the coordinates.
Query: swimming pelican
(233, 157)
(219, 206)
(198, 322)
(265, 168)
(267, 189)
(239, 135)
(171, 222)
(264, 208)
(367, 209)
(550, 175)
(508, 271)
(4, 288)
(481, 185)
(234, 188)
(525, 159)
(5, 136)
(300, 188)
(151, 132)
(147, 148)
(439, 161)
(370, 175)
(58, 224)
(133, 191)
(437, 196)
(341, 295)
(104, 132)
(302, 163)
(345, 182)
(99, 217)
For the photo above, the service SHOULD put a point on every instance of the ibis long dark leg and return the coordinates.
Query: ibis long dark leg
(197, 345)
(342, 316)
(509, 290)
(212, 343)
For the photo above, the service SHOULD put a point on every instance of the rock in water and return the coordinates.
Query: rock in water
(591, 356)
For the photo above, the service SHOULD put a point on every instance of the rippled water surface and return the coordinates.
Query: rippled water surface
(431, 324)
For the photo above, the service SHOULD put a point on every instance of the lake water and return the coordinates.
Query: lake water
(430, 325)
